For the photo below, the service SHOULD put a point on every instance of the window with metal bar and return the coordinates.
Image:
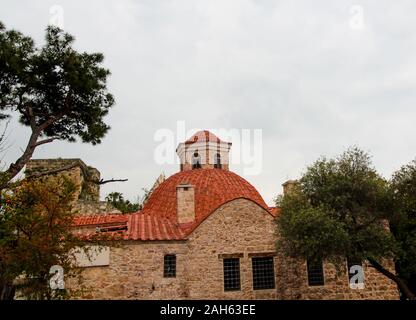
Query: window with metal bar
(263, 273)
(315, 273)
(231, 274)
(169, 266)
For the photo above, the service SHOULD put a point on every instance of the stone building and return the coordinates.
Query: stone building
(206, 233)
(87, 194)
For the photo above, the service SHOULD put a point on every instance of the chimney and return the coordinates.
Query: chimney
(185, 201)
(288, 186)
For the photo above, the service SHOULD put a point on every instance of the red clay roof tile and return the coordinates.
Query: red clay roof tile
(158, 219)
(99, 219)
(204, 136)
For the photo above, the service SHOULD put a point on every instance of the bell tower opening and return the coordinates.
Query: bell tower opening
(203, 150)
(217, 162)
(196, 160)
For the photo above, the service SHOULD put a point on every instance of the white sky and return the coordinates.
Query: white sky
(299, 70)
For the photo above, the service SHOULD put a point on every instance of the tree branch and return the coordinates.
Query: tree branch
(102, 181)
(46, 141)
(17, 166)
(60, 115)
(400, 282)
(51, 120)
(31, 118)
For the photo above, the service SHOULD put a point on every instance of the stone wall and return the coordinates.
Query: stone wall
(87, 195)
(293, 283)
(86, 208)
(136, 272)
(86, 190)
(239, 228)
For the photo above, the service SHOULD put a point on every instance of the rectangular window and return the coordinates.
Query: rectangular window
(350, 263)
(169, 267)
(232, 274)
(263, 273)
(315, 273)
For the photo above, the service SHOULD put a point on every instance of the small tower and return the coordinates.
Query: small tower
(202, 151)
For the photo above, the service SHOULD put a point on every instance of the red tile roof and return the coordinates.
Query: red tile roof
(158, 219)
(100, 219)
(146, 227)
(274, 211)
(204, 136)
(139, 226)
(213, 187)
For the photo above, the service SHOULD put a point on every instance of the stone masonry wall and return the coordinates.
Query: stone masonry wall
(294, 283)
(240, 228)
(185, 203)
(87, 194)
(85, 190)
(136, 272)
(237, 227)
(85, 208)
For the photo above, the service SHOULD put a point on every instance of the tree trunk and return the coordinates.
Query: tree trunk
(400, 282)
(16, 167)
(7, 292)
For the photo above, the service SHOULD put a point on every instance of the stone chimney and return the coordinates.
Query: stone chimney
(185, 197)
(288, 186)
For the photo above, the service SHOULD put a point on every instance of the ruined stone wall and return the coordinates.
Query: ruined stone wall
(86, 190)
(87, 208)
(87, 194)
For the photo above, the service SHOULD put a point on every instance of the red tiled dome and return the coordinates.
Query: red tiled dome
(203, 136)
(213, 187)
(158, 220)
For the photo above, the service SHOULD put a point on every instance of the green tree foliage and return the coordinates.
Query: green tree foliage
(403, 226)
(36, 232)
(340, 208)
(117, 200)
(59, 93)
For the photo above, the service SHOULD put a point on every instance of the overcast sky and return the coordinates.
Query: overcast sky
(314, 76)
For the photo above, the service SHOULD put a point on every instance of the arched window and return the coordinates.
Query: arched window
(196, 160)
(217, 161)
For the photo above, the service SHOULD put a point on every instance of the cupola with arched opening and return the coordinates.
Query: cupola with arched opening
(203, 150)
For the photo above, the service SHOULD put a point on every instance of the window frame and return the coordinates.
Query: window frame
(308, 277)
(166, 262)
(238, 274)
(272, 274)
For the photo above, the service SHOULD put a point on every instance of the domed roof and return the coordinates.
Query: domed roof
(204, 136)
(213, 188)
